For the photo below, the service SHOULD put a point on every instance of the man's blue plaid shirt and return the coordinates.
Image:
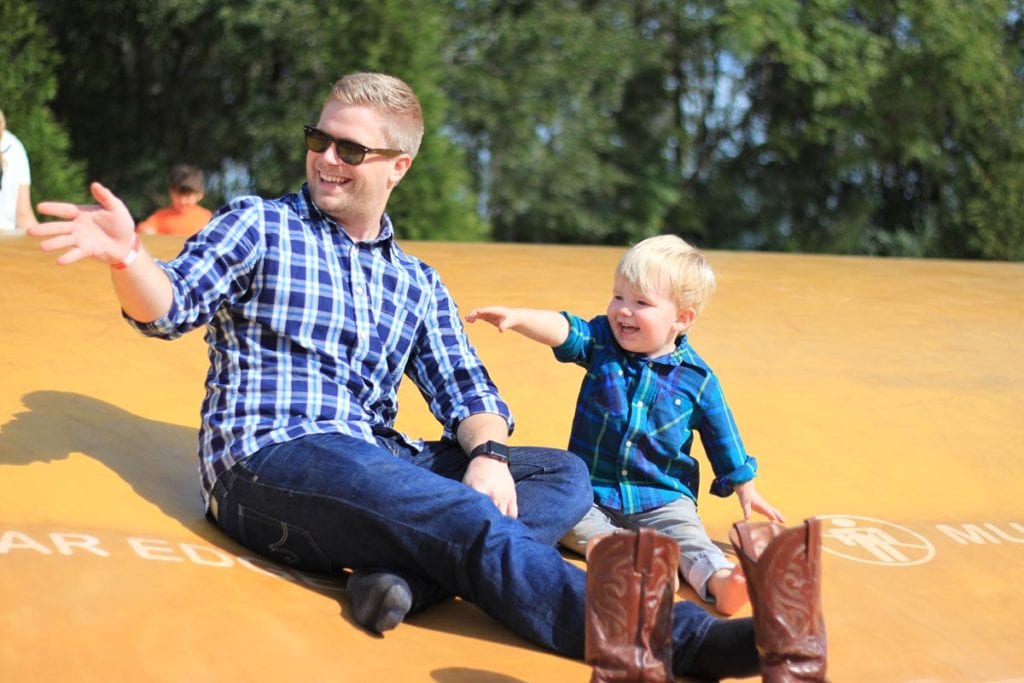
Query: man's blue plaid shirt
(635, 420)
(309, 332)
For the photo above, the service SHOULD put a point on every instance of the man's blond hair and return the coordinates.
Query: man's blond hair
(401, 115)
(672, 263)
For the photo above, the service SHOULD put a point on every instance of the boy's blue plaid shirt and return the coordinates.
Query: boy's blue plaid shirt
(309, 332)
(635, 420)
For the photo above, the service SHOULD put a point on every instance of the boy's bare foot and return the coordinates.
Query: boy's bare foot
(729, 588)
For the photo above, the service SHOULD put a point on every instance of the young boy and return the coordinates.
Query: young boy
(645, 392)
(184, 216)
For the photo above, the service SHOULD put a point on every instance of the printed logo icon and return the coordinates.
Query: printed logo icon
(873, 541)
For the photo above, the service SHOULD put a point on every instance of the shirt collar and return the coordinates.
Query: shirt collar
(384, 240)
(677, 356)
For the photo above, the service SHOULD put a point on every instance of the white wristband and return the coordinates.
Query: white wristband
(130, 258)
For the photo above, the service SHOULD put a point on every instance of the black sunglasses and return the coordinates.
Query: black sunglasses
(352, 153)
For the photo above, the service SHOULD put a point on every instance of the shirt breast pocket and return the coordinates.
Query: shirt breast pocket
(670, 432)
(396, 324)
(671, 417)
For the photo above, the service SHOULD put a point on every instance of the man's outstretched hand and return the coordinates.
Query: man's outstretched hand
(104, 231)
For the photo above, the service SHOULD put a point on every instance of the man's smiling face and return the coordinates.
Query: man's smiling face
(355, 196)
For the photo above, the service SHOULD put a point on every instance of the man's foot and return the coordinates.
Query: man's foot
(729, 588)
(379, 600)
(728, 651)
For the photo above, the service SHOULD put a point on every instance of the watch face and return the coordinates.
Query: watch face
(492, 449)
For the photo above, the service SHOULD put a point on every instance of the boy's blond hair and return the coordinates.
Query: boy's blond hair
(672, 263)
(401, 116)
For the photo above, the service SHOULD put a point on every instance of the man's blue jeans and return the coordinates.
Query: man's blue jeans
(329, 502)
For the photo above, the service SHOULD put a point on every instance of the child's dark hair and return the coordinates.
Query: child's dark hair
(186, 179)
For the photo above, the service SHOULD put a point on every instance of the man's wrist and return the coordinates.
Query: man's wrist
(133, 254)
(491, 449)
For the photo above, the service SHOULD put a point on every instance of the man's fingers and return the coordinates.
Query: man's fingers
(103, 196)
(61, 241)
(508, 506)
(57, 210)
(70, 256)
(49, 229)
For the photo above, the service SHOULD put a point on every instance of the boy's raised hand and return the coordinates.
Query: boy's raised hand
(546, 327)
(751, 500)
(104, 231)
(501, 317)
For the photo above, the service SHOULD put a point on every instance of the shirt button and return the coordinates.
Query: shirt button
(625, 472)
(359, 290)
(629, 444)
(678, 402)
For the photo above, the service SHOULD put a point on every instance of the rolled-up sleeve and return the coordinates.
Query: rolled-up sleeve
(447, 369)
(720, 436)
(577, 346)
(215, 266)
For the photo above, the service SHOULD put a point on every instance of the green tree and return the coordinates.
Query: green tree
(809, 74)
(227, 87)
(27, 87)
(534, 86)
(407, 38)
(880, 127)
(221, 86)
(677, 126)
(855, 126)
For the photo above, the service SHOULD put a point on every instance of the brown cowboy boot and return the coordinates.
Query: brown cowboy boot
(783, 570)
(630, 578)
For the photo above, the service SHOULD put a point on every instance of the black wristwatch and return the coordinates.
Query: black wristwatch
(492, 449)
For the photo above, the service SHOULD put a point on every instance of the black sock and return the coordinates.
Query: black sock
(379, 600)
(728, 651)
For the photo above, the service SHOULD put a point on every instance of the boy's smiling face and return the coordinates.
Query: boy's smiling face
(646, 323)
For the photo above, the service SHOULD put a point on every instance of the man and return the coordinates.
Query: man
(314, 313)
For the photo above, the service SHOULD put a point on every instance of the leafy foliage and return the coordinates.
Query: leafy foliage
(882, 127)
(28, 84)
(854, 126)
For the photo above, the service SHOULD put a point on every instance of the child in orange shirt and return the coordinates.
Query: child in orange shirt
(184, 216)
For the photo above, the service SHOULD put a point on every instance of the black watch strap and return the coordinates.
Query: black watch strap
(491, 449)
